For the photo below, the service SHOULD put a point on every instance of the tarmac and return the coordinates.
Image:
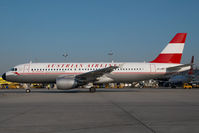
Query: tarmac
(106, 111)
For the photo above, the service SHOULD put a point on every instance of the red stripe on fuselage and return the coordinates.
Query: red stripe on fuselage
(48, 73)
(168, 58)
(81, 73)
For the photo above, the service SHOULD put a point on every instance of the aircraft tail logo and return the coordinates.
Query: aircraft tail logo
(172, 53)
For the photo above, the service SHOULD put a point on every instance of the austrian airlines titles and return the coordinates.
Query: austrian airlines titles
(72, 75)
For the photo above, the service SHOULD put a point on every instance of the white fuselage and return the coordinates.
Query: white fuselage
(126, 72)
(71, 75)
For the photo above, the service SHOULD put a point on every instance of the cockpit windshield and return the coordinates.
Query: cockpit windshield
(13, 69)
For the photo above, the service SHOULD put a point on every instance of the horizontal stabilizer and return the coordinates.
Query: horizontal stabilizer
(177, 67)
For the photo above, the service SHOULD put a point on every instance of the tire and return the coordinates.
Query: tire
(28, 91)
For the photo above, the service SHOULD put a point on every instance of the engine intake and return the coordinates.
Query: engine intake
(65, 83)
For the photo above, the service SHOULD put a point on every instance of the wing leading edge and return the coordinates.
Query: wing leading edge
(93, 75)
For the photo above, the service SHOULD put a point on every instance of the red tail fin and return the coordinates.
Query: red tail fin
(172, 53)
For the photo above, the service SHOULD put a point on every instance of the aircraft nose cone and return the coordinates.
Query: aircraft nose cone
(4, 76)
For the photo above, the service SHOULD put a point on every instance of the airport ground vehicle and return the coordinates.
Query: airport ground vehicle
(195, 85)
(8, 85)
(187, 86)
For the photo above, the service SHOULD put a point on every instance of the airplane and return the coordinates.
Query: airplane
(73, 75)
(178, 80)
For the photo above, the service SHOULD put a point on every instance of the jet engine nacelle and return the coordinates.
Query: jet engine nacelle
(65, 83)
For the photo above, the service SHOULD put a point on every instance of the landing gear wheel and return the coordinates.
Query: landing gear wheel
(92, 90)
(28, 91)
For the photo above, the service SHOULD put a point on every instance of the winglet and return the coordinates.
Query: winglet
(191, 69)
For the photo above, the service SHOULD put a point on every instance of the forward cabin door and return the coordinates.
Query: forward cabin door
(152, 68)
(26, 68)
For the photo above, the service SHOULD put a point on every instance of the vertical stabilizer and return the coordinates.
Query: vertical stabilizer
(172, 53)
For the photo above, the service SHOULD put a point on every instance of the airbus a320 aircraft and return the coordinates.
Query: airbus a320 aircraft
(72, 75)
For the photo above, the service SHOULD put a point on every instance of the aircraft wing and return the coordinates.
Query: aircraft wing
(178, 67)
(92, 75)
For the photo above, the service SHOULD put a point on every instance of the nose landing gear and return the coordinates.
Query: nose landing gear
(28, 90)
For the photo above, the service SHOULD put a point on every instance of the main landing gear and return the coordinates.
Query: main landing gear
(92, 90)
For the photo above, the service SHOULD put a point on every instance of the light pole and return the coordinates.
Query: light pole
(65, 55)
(111, 55)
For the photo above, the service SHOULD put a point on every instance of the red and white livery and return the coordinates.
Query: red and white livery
(72, 75)
(172, 53)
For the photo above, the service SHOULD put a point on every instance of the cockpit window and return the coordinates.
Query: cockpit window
(13, 69)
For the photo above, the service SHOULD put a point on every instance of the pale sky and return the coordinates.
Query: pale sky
(135, 30)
